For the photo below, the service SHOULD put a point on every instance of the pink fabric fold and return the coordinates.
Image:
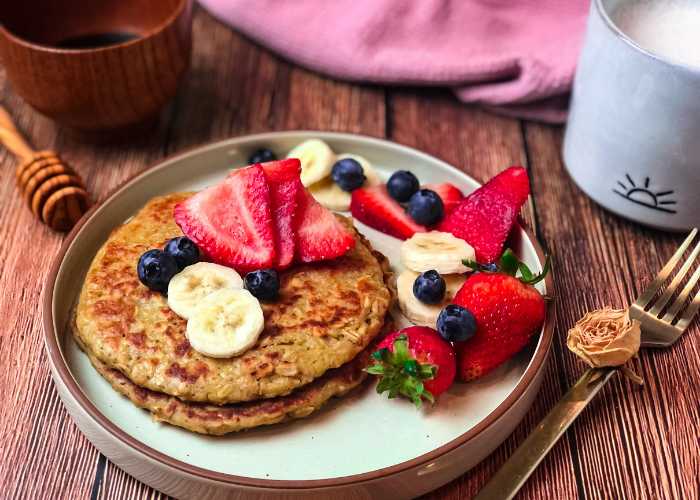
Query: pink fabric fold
(514, 57)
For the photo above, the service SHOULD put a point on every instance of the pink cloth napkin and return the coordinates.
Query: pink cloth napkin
(514, 57)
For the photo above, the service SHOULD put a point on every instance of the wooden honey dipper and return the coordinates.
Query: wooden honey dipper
(51, 189)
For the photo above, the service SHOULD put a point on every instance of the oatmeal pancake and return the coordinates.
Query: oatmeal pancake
(207, 418)
(324, 315)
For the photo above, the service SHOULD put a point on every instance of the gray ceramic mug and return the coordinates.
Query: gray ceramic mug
(632, 142)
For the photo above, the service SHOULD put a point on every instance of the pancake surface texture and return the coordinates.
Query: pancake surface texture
(207, 418)
(324, 315)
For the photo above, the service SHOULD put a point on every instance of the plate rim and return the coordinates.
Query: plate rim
(62, 372)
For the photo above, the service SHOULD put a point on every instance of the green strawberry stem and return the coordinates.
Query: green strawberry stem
(399, 373)
(509, 265)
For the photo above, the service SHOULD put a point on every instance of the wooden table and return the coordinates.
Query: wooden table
(630, 443)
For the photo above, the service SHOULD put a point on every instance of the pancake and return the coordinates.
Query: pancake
(214, 419)
(324, 315)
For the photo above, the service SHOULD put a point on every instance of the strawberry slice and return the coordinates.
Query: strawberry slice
(231, 222)
(484, 218)
(320, 236)
(449, 194)
(282, 180)
(373, 206)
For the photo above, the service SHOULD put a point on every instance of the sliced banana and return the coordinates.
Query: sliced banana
(417, 312)
(225, 323)
(329, 194)
(317, 160)
(192, 284)
(436, 250)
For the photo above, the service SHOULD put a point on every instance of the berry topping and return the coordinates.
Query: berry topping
(283, 182)
(429, 287)
(261, 156)
(185, 251)
(508, 311)
(456, 323)
(449, 195)
(319, 234)
(373, 206)
(426, 207)
(484, 218)
(348, 174)
(231, 220)
(416, 362)
(263, 284)
(156, 268)
(402, 185)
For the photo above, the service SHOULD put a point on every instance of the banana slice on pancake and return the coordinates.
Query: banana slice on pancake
(225, 323)
(417, 312)
(192, 284)
(317, 160)
(329, 194)
(436, 250)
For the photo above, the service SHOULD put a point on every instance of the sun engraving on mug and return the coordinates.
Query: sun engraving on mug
(644, 196)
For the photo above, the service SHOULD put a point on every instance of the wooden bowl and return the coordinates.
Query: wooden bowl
(96, 66)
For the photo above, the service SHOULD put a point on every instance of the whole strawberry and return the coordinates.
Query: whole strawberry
(416, 362)
(508, 311)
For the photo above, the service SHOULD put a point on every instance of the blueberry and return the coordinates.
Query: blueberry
(263, 285)
(426, 207)
(456, 323)
(402, 185)
(261, 156)
(429, 287)
(185, 251)
(490, 266)
(348, 174)
(156, 268)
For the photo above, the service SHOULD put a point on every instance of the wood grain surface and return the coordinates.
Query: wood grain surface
(631, 443)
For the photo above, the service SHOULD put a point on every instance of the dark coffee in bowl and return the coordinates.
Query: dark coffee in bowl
(96, 40)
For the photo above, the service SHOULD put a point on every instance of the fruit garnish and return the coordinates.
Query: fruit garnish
(192, 284)
(225, 323)
(508, 311)
(429, 287)
(263, 284)
(456, 323)
(449, 195)
(416, 362)
(426, 207)
(402, 185)
(156, 268)
(185, 251)
(231, 220)
(416, 311)
(443, 252)
(373, 206)
(317, 160)
(283, 183)
(509, 264)
(484, 218)
(261, 156)
(348, 174)
(319, 234)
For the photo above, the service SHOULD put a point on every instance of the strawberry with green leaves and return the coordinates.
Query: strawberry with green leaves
(508, 311)
(416, 362)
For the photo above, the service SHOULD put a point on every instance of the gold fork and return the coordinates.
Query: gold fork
(656, 332)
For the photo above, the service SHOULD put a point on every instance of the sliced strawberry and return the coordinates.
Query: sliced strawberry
(449, 194)
(231, 222)
(484, 218)
(282, 179)
(373, 206)
(320, 235)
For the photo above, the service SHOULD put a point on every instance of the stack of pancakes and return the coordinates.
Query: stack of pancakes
(319, 334)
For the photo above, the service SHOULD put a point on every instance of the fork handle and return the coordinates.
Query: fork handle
(507, 481)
